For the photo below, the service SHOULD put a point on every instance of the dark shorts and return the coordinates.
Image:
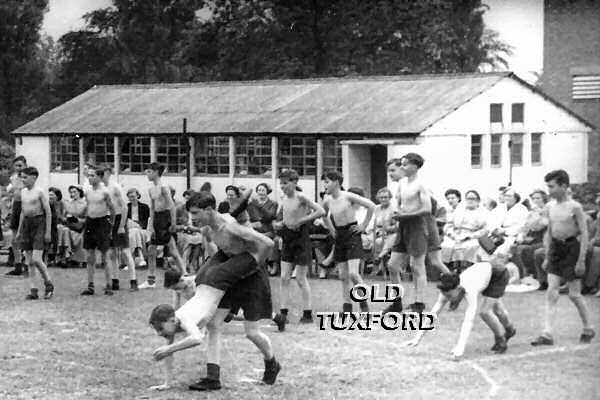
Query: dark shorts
(161, 225)
(297, 247)
(120, 240)
(252, 295)
(562, 257)
(497, 285)
(96, 234)
(347, 244)
(15, 216)
(33, 232)
(412, 237)
(222, 272)
(433, 236)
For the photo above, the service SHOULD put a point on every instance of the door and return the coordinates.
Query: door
(378, 169)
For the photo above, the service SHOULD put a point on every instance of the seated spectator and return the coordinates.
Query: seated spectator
(6, 201)
(383, 230)
(234, 201)
(57, 208)
(513, 221)
(138, 214)
(532, 235)
(491, 205)
(453, 197)
(70, 230)
(262, 212)
(467, 224)
(189, 240)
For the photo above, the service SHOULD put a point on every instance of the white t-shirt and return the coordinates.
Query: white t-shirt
(476, 278)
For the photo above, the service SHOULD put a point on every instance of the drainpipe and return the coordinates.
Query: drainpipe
(510, 166)
(188, 175)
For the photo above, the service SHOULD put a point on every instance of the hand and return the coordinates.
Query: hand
(150, 231)
(47, 237)
(121, 230)
(410, 343)
(333, 233)
(579, 269)
(457, 353)
(161, 353)
(164, 386)
(545, 264)
(18, 235)
(172, 228)
(357, 229)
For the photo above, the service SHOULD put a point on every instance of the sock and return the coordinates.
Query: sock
(364, 306)
(270, 363)
(34, 291)
(284, 311)
(151, 279)
(347, 307)
(91, 285)
(133, 282)
(213, 371)
(115, 282)
(307, 313)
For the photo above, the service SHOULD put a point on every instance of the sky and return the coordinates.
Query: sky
(519, 23)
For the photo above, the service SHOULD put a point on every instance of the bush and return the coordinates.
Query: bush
(586, 194)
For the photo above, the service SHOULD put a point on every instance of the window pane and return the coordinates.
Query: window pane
(99, 150)
(253, 156)
(516, 149)
(212, 155)
(476, 150)
(299, 154)
(517, 112)
(135, 154)
(172, 151)
(332, 155)
(496, 150)
(496, 113)
(536, 148)
(64, 153)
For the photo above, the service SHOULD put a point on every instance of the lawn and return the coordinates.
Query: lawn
(99, 348)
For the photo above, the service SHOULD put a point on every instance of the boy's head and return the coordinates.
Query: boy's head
(411, 163)
(200, 206)
(95, 174)
(333, 181)
(173, 279)
(394, 169)
(163, 320)
(154, 170)
(108, 170)
(384, 195)
(288, 180)
(30, 175)
(450, 287)
(19, 163)
(557, 182)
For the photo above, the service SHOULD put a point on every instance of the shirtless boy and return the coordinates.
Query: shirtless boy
(241, 251)
(34, 230)
(161, 224)
(119, 241)
(98, 226)
(348, 250)
(566, 244)
(298, 213)
(14, 189)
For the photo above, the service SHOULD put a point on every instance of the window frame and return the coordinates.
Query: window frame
(480, 147)
(254, 151)
(106, 141)
(199, 146)
(540, 143)
(144, 159)
(164, 157)
(514, 135)
(492, 147)
(501, 108)
(54, 154)
(513, 113)
(308, 146)
(336, 148)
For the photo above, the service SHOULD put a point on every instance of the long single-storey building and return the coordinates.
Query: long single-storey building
(475, 131)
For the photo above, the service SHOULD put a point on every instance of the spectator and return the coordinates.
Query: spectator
(514, 219)
(138, 214)
(262, 212)
(231, 204)
(383, 231)
(57, 207)
(453, 197)
(189, 241)
(70, 231)
(206, 187)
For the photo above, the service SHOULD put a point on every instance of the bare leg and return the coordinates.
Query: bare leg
(302, 282)
(259, 338)
(31, 268)
(151, 263)
(355, 278)
(214, 327)
(397, 260)
(36, 258)
(579, 301)
(489, 317)
(107, 268)
(435, 258)
(345, 278)
(551, 300)
(502, 314)
(130, 263)
(175, 254)
(91, 265)
(286, 272)
(417, 264)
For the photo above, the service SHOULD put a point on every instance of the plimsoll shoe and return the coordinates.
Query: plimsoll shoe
(205, 385)
(280, 320)
(147, 285)
(49, 292)
(586, 336)
(542, 341)
(271, 372)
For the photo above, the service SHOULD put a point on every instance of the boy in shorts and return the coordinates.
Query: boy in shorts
(566, 242)
(34, 231)
(298, 214)
(14, 189)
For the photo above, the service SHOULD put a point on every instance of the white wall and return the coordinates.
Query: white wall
(37, 152)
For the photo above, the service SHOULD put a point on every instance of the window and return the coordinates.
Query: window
(212, 155)
(586, 87)
(64, 153)
(476, 150)
(517, 114)
(496, 150)
(332, 155)
(99, 150)
(516, 149)
(253, 156)
(495, 113)
(536, 148)
(172, 152)
(298, 154)
(135, 154)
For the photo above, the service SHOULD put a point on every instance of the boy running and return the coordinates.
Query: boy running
(161, 224)
(488, 279)
(566, 242)
(34, 230)
(98, 226)
(298, 213)
(348, 250)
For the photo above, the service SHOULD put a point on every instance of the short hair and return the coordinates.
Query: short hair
(448, 282)
(475, 192)
(31, 171)
(201, 200)
(134, 190)
(414, 159)
(455, 192)
(172, 276)
(356, 190)
(188, 192)
(20, 158)
(78, 188)
(502, 188)
(56, 192)
(235, 189)
(396, 161)
(384, 190)
(155, 166)
(224, 207)
(266, 186)
(322, 194)
(492, 202)
(541, 193)
(289, 174)
(161, 313)
(173, 191)
(99, 171)
(516, 195)
(206, 187)
(560, 176)
(333, 176)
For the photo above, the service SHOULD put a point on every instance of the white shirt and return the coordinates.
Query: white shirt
(514, 219)
(476, 278)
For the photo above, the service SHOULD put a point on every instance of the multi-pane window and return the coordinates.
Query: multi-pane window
(496, 113)
(536, 148)
(172, 151)
(212, 155)
(517, 114)
(496, 150)
(99, 150)
(253, 155)
(476, 149)
(516, 149)
(332, 155)
(64, 153)
(135, 154)
(299, 154)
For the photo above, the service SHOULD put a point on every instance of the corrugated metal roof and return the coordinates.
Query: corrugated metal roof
(385, 105)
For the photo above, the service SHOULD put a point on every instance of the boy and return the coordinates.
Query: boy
(161, 224)
(14, 189)
(33, 230)
(348, 249)
(298, 213)
(241, 250)
(120, 234)
(488, 279)
(98, 226)
(566, 242)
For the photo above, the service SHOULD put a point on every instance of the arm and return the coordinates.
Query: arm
(176, 300)
(368, 204)
(580, 217)
(167, 370)
(436, 310)
(120, 208)
(326, 219)
(167, 194)
(150, 227)
(111, 207)
(263, 243)
(318, 211)
(193, 339)
(467, 325)
(47, 213)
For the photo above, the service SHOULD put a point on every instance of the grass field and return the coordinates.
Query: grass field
(99, 348)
